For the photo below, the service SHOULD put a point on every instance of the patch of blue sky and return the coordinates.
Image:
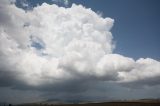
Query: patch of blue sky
(37, 43)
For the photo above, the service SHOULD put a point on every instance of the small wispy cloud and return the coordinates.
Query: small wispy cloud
(25, 4)
(65, 2)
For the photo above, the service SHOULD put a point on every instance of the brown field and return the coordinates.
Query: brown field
(127, 103)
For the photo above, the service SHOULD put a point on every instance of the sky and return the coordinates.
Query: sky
(79, 50)
(134, 21)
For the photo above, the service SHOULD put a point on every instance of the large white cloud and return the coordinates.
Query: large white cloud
(52, 44)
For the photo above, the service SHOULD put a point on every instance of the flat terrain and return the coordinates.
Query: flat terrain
(121, 103)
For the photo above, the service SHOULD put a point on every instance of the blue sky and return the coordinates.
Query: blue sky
(136, 28)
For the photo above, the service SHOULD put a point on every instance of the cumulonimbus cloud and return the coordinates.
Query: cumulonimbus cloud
(51, 45)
